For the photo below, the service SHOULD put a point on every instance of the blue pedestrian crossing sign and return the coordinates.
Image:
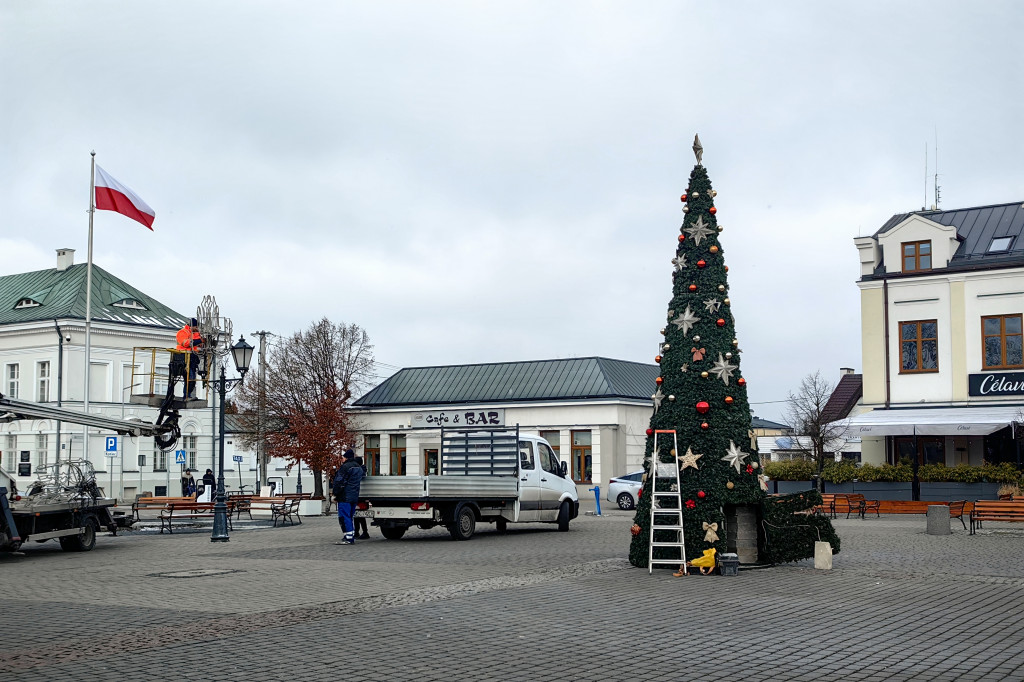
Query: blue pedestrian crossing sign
(111, 444)
(179, 456)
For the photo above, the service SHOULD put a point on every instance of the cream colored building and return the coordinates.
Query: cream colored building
(593, 411)
(942, 298)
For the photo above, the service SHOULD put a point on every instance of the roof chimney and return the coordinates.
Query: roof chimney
(65, 259)
(843, 371)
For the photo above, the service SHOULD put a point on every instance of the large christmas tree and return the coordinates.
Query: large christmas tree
(701, 395)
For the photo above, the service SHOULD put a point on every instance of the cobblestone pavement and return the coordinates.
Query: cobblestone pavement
(535, 604)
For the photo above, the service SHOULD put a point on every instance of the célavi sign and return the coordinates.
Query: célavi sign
(1005, 383)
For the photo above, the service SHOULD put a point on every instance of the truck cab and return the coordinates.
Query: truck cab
(544, 483)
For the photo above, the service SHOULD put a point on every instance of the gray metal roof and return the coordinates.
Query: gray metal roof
(61, 295)
(758, 423)
(976, 228)
(539, 380)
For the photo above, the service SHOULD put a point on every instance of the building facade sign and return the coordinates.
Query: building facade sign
(458, 418)
(991, 384)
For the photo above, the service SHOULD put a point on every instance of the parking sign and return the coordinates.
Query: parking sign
(111, 446)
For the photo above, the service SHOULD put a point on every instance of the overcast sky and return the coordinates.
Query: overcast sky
(489, 182)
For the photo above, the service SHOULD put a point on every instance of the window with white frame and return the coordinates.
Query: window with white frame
(13, 376)
(99, 382)
(11, 452)
(43, 373)
(42, 446)
(190, 444)
(159, 459)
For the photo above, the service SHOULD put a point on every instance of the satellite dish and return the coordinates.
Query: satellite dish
(784, 443)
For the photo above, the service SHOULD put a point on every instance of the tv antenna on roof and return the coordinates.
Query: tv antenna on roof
(938, 193)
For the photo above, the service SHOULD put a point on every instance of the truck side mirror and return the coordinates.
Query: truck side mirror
(564, 469)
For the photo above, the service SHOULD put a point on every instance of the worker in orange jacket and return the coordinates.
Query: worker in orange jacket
(189, 342)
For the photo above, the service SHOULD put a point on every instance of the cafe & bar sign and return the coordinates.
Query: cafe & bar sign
(992, 384)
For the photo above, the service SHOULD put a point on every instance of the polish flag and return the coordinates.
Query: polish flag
(111, 195)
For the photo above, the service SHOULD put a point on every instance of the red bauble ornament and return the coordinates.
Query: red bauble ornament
(682, 237)
(712, 210)
(703, 407)
(659, 381)
(683, 198)
(728, 400)
(727, 268)
(690, 504)
(657, 358)
(650, 432)
(635, 529)
(701, 263)
(720, 322)
(705, 425)
(741, 381)
(701, 494)
(693, 287)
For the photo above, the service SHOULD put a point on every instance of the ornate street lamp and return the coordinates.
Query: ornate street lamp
(241, 353)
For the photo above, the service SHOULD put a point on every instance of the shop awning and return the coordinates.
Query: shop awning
(937, 421)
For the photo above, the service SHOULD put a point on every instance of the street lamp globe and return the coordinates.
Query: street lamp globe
(241, 353)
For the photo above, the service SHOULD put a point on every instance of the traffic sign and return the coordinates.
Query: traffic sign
(179, 456)
(237, 458)
(111, 443)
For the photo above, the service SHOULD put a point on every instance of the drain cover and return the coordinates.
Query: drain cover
(195, 573)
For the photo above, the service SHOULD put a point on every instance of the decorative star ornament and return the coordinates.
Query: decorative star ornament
(698, 230)
(712, 305)
(684, 369)
(735, 456)
(686, 320)
(723, 369)
(657, 398)
(679, 261)
(688, 460)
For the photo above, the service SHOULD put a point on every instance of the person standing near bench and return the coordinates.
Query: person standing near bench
(346, 492)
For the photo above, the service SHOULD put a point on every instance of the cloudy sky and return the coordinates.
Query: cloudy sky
(487, 182)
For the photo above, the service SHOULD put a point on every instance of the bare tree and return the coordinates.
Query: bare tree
(813, 422)
(311, 378)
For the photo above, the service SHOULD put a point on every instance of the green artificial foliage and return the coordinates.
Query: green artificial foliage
(699, 335)
(792, 528)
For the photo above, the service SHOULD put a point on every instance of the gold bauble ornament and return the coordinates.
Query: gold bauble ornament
(728, 356)
(671, 398)
(721, 287)
(663, 331)
(754, 464)
(703, 375)
(714, 193)
(730, 485)
(726, 301)
(735, 342)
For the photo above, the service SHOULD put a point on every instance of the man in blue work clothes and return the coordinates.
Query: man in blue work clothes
(346, 493)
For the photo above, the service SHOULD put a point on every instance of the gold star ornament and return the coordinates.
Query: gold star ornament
(688, 460)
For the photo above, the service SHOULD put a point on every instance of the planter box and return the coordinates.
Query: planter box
(930, 492)
(959, 491)
(311, 507)
(790, 487)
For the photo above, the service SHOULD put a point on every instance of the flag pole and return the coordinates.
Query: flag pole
(88, 301)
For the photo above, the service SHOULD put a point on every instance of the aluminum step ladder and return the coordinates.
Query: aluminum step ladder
(667, 518)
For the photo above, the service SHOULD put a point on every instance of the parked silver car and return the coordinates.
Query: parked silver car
(625, 490)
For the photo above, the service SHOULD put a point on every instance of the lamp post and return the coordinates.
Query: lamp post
(241, 353)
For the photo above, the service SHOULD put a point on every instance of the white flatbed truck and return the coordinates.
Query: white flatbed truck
(488, 475)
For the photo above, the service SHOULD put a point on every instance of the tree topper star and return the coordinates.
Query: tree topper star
(712, 305)
(688, 460)
(723, 369)
(686, 320)
(699, 230)
(735, 456)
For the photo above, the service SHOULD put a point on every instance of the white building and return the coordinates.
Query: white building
(593, 411)
(42, 359)
(942, 297)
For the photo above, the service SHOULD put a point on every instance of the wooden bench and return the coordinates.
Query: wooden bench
(956, 511)
(281, 508)
(187, 512)
(157, 503)
(837, 503)
(996, 510)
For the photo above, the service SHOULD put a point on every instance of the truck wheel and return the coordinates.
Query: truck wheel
(465, 523)
(501, 525)
(563, 516)
(83, 542)
(393, 532)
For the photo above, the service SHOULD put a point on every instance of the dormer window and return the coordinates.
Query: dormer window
(917, 256)
(1000, 244)
(26, 303)
(130, 303)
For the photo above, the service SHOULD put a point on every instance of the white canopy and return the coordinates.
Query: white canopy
(936, 421)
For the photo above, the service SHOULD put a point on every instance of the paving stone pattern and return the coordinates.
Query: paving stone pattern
(535, 604)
